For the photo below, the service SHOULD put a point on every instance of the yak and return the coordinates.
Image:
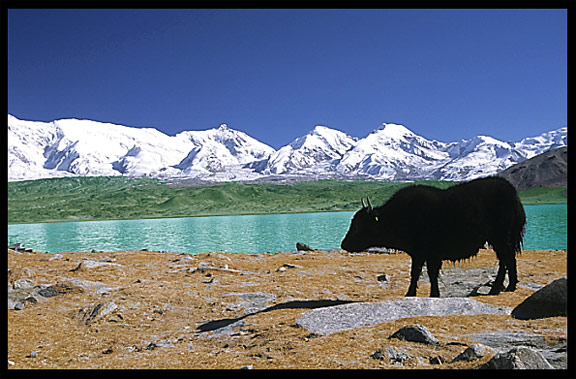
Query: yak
(432, 225)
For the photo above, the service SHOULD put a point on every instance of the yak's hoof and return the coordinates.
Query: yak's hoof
(495, 290)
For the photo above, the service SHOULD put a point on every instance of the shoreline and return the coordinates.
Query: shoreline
(219, 215)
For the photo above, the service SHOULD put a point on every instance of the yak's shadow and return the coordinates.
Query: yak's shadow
(295, 304)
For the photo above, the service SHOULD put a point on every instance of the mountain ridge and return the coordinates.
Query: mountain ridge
(75, 147)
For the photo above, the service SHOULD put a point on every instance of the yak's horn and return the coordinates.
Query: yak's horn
(369, 205)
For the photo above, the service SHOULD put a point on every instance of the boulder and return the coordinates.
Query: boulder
(354, 315)
(549, 301)
(552, 347)
(415, 333)
(521, 357)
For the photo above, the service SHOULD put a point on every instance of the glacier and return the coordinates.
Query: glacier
(78, 147)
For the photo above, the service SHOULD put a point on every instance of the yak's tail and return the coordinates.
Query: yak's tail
(518, 227)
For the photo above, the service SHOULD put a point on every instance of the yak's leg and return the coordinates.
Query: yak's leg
(512, 273)
(498, 284)
(433, 266)
(414, 275)
(507, 258)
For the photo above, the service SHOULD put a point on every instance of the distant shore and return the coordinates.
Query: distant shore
(106, 198)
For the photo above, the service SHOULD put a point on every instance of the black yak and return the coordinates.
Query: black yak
(433, 225)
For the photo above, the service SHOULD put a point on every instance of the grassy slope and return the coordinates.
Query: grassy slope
(94, 198)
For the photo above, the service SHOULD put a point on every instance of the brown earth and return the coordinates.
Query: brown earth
(151, 304)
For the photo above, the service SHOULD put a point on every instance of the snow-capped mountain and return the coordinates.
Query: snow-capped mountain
(72, 147)
(533, 146)
(91, 148)
(479, 156)
(317, 151)
(393, 152)
(218, 150)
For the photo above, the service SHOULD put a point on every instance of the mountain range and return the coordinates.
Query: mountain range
(73, 147)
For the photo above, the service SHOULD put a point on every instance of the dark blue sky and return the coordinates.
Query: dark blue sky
(275, 74)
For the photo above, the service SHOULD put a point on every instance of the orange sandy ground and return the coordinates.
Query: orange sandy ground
(161, 299)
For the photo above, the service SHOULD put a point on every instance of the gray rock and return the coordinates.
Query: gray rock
(552, 348)
(18, 297)
(549, 301)
(518, 358)
(396, 355)
(47, 291)
(89, 264)
(379, 354)
(438, 360)
(303, 247)
(415, 333)
(92, 312)
(474, 352)
(383, 278)
(354, 315)
(53, 257)
(98, 287)
(23, 284)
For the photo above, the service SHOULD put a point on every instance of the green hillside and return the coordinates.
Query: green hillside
(98, 198)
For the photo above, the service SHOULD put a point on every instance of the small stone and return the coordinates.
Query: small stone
(18, 306)
(437, 360)
(151, 346)
(476, 351)
(415, 333)
(397, 356)
(55, 256)
(303, 247)
(23, 284)
(377, 355)
(383, 278)
(47, 292)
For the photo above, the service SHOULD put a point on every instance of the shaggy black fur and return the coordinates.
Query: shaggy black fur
(433, 225)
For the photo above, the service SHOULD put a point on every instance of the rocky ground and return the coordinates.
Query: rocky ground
(307, 309)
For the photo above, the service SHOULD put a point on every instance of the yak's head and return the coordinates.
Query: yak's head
(367, 230)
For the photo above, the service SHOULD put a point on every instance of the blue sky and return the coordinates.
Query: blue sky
(275, 74)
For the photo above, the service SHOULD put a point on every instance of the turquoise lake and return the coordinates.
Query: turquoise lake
(546, 229)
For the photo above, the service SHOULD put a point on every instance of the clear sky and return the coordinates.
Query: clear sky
(275, 74)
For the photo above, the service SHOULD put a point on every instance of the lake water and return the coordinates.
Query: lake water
(546, 229)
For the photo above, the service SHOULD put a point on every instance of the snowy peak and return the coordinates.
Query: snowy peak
(394, 131)
(84, 147)
(322, 146)
(73, 147)
(533, 146)
(231, 147)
